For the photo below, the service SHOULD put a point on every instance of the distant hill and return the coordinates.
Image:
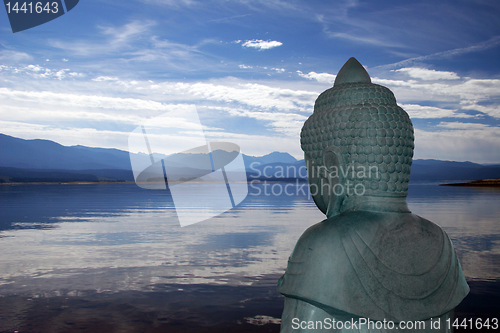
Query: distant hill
(47, 161)
(277, 171)
(274, 157)
(436, 170)
(45, 154)
(421, 171)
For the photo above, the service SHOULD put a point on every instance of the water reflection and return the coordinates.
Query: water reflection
(88, 240)
(36, 206)
(470, 217)
(121, 232)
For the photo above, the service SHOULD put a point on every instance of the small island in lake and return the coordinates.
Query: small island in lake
(477, 183)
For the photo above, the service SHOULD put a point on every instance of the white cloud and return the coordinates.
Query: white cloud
(14, 56)
(471, 142)
(34, 68)
(362, 39)
(428, 74)
(105, 78)
(124, 34)
(465, 93)
(67, 136)
(39, 72)
(116, 39)
(492, 110)
(75, 74)
(61, 74)
(261, 44)
(391, 82)
(47, 114)
(245, 66)
(422, 111)
(258, 145)
(82, 101)
(286, 123)
(251, 94)
(320, 77)
(475, 89)
(492, 42)
(464, 126)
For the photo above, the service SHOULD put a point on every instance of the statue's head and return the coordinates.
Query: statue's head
(358, 143)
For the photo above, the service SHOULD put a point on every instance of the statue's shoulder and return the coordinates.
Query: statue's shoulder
(322, 238)
(388, 235)
(404, 243)
(329, 232)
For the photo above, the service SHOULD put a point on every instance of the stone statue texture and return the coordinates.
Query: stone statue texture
(371, 257)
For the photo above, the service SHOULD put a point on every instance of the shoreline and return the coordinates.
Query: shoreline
(65, 183)
(477, 183)
(273, 180)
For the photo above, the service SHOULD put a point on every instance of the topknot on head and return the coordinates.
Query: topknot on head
(352, 72)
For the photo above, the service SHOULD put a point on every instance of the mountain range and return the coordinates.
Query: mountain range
(47, 161)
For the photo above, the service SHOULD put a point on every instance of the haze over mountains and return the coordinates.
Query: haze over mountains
(47, 161)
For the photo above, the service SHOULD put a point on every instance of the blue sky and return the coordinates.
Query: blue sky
(253, 69)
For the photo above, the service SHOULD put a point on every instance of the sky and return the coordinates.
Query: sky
(252, 69)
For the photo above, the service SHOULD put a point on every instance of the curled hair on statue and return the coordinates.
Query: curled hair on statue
(369, 131)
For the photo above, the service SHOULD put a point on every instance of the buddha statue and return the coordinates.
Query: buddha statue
(371, 259)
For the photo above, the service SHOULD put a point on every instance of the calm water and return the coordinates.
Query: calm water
(114, 258)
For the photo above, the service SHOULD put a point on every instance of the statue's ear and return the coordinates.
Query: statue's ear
(315, 183)
(334, 162)
(330, 157)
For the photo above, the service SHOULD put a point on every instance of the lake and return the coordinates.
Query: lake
(113, 258)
